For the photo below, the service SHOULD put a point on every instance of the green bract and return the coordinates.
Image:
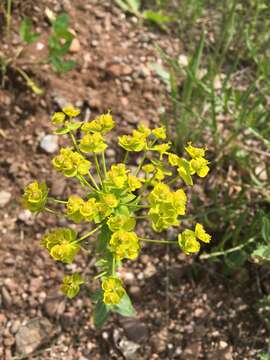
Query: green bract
(35, 196)
(112, 201)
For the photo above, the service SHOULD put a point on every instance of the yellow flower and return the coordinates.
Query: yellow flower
(134, 183)
(124, 244)
(110, 200)
(179, 201)
(89, 209)
(113, 290)
(199, 166)
(144, 130)
(61, 244)
(201, 234)
(162, 149)
(195, 152)
(184, 170)
(173, 159)
(132, 143)
(121, 222)
(71, 163)
(117, 176)
(35, 196)
(188, 243)
(103, 124)
(71, 111)
(71, 285)
(73, 208)
(58, 118)
(148, 168)
(160, 133)
(92, 143)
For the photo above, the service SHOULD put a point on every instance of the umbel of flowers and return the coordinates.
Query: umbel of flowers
(114, 200)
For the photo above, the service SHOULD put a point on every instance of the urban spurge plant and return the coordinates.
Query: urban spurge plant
(114, 200)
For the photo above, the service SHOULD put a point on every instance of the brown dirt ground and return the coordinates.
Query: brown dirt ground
(186, 309)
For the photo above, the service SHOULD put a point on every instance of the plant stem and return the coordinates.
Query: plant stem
(57, 201)
(93, 180)
(113, 265)
(87, 183)
(125, 158)
(9, 17)
(49, 210)
(104, 164)
(140, 164)
(158, 241)
(222, 253)
(74, 142)
(89, 234)
(98, 168)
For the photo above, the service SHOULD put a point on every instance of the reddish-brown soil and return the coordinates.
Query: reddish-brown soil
(186, 309)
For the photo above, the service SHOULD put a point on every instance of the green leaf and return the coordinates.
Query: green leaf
(262, 253)
(134, 5)
(62, 131)
(126, 199)
(74, 125)
(103, 238)
(157, 17)
(61, 23)
(266, 229)
(125, 307)
(60, 65)
(161, 72)
(25, 31)
(101, 313)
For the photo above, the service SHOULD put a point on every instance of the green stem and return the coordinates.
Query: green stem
(113, 265)
(49, 210)
(93, 180)
(98, 168)
(74, 142)
(9, 7)
(100, 275)
(141, 163)
(125, 158)
(173, 180)
(158, 241)
(104, 164)
(57, 201)
(89, 234)
(222, 253)
(86, 183)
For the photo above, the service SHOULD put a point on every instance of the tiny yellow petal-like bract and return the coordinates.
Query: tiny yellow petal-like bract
(71, 285)
(201, 234)
(58, 118)
(188, 243)
(71, 111)
(160, 133)
(195, 152)
(113, 290)
(35, 196)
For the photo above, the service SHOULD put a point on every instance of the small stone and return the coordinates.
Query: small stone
(183, 60)
(199, 312)
(5, 197)
(54, 306)
(149, 271)
(126, 88)
(58, 185)
(75, 46)
(135, 329)
(222, 344)
(40, 46)
(129, 349)
(26, 216)
(49, 143)
(6, 297)
(32, 335)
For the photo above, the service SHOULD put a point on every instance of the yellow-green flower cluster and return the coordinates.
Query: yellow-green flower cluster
(71, 285)
(197, 165)
(188, 239)
(61, 244)
(102, 124)
(71, 163)
(124, 244)
(166, 206)
(113, 290)
(113, 197)
(35, 196)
